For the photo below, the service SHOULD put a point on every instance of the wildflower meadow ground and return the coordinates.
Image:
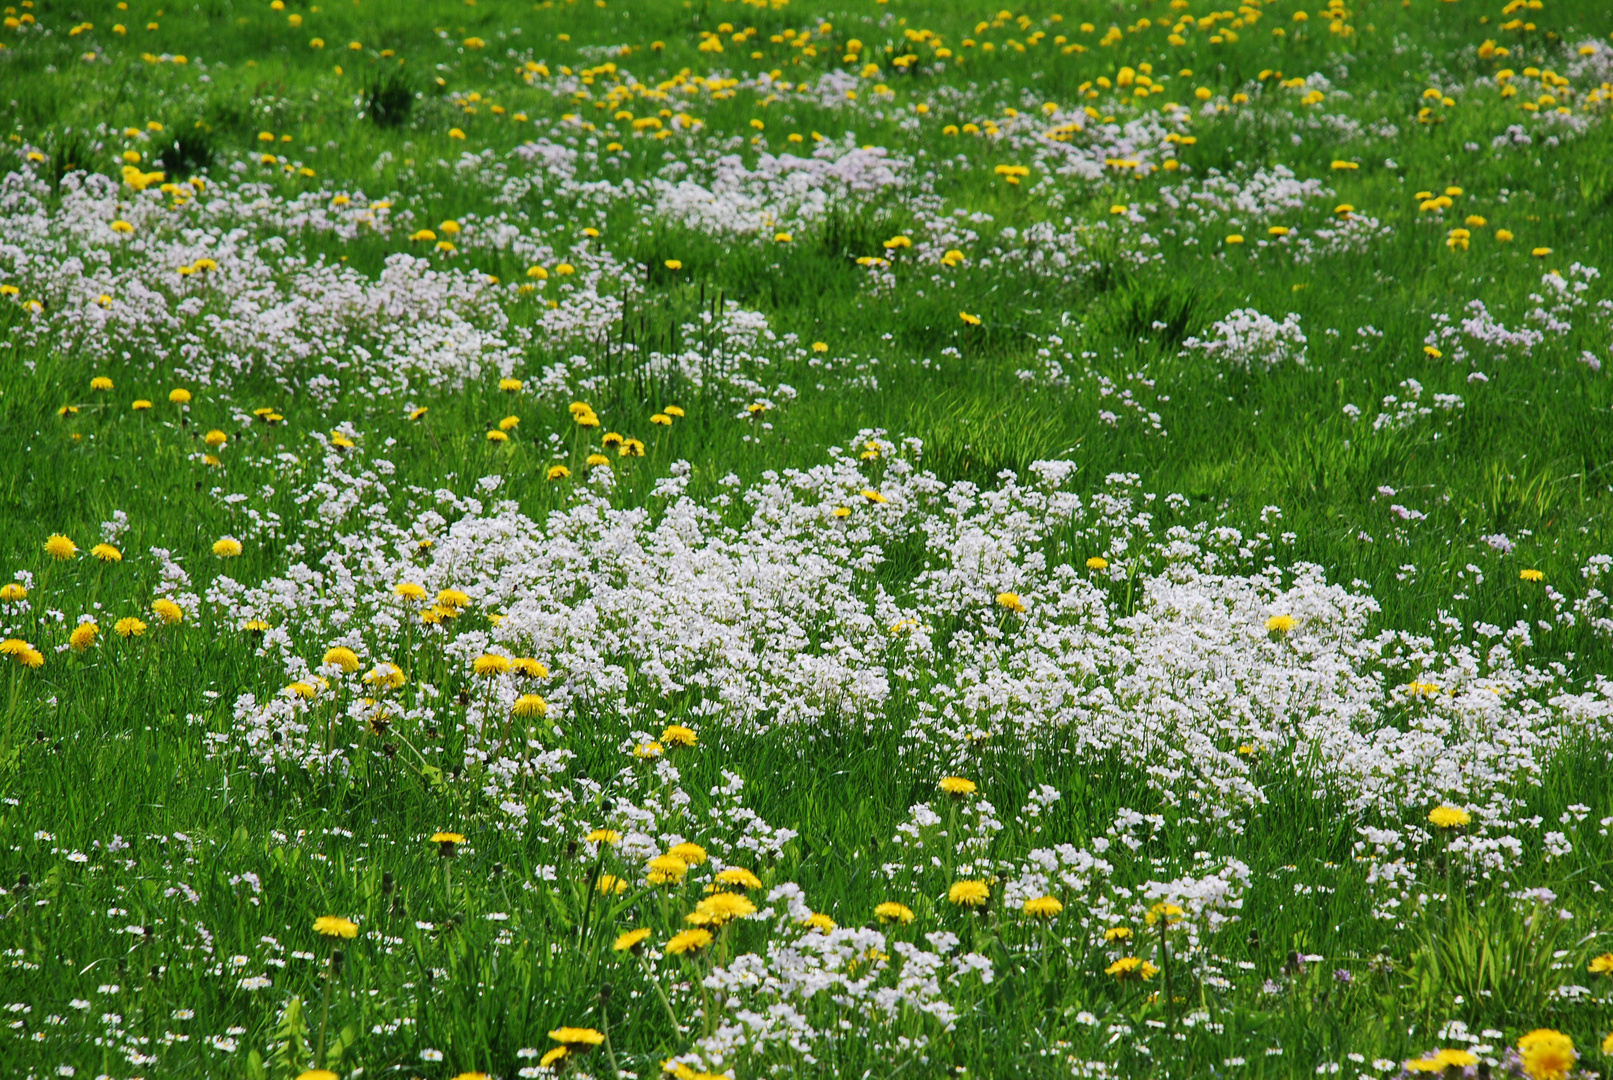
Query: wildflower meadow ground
(777, 538)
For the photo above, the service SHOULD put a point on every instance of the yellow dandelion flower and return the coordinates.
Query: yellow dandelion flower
(688, 942)
(738, 877)
(342, 657)
(719, 909)
(666, 870)
(574, 1037)
(891, 911)
(971, 894)
(631, 940)
(1131, 967)
(1043, 907)
(1448, 817)
(693, 854)
(60, 547)
(334, 926)
(1546, 1054)
(1164, 912)
(490, 664)
(389, 676)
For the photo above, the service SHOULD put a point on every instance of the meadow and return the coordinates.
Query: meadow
(744, 538)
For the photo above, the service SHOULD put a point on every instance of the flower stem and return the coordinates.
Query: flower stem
(610, 1051)
(324, 1012)
(661, 993)
(1165, 963)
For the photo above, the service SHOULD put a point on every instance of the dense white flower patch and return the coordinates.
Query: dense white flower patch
(764, 609)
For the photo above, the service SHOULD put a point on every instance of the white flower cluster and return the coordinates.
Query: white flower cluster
(1246, 339)
(780, 621)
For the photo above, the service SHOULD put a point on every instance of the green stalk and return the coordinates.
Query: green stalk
(1165, 965)
(671, 1014)
(324, 1011)
(610, 1051)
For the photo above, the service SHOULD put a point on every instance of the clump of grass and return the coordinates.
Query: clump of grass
(187, 153)
(388, 100)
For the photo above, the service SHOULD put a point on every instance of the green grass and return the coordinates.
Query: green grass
(137, 739)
